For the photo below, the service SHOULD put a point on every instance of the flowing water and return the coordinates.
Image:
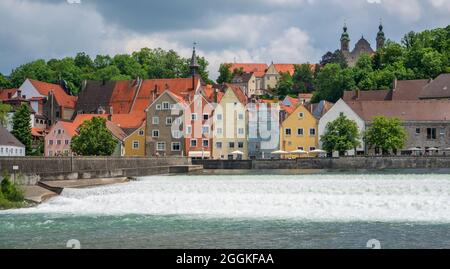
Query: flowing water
(242, 211)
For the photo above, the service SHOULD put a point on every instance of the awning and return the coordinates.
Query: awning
(237, 152)
(200, 154)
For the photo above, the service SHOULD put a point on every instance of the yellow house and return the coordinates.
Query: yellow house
(230, 138)
(299, 132)
(134, 143)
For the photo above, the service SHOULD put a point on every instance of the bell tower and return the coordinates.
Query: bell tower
(345, 40)
(381, 39)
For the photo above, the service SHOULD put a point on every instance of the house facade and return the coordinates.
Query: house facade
(299, 131)
(247, 82)
(263, 129)
(9, 145)
(230, 137)
(165, 126)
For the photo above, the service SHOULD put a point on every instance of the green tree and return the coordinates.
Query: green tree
(128, 66)
(303, 79)
(225, 75)
(12, 192)
(341, 135)
(330, 83)
(334, 58)
(65, 70)
(386, 134)
(94, 139)
(110, 72)
(284, 86)
(4, 82)
(38, 70)
(4, 109)
(22, 127)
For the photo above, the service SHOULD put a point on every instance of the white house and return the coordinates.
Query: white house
(334, 113)
(9, 145)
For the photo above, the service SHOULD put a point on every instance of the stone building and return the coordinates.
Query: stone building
(362, 46)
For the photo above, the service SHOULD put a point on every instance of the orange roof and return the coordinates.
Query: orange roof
(5, 92)
(290, 68)
(129, 121)
(288, 109)
(123, 96)
(61, 96)
(292, 100)
(147, 94)
(258, 69)
(37, 132)
(71, 127)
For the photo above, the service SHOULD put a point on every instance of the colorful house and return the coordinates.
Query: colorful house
(134, 127)
(299, 131)
(230, 137)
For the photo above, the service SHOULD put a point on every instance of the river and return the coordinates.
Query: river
(259, 210)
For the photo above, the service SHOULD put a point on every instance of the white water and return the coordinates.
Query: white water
(424, 198)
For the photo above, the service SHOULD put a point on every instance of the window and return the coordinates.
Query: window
(67, 142)
(141, 133)
(219, 131)
(205, 117)
(241, 131)
(189, 129)
(165, 106)
(155, 133)
(442, 132)
(178, 121)
(219, 117)
(219, 145)
(300, 131)
(241, 116)
(50, 142)
(418, 131)
(176, 134)
(169, 121)
(288, 132)
(301, 115)
(58, 142)
(135, 144)
(161, 146)
(312, 132)
(176, 146)
(205, 129)
(431, 133)
(205, 143)
(158, 107)
(301, 148)
(194, 116)
(59, 131)
(312, 148)
(155, 120)
(241, 145)
(231, 145)
(193, 143)
(1, 150)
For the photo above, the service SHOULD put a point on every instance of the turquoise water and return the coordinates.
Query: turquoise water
(245, 211)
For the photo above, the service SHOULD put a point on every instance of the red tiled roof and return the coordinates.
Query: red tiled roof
(129, 121)
(408, 89)
(258, 69)
(178, 86)
(123, 96)
(438, 88)
(288, 109)
(5, 92)
(61, 96)
(37, 132)
(72, 127)
(292, 100)
(375, 95)
(421, 110)
(239, 93)
(290, 68)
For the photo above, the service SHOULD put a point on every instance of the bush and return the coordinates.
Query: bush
(11, 192)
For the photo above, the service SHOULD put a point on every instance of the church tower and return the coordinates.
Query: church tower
(345, 40)
(194, 66)
(380, 37)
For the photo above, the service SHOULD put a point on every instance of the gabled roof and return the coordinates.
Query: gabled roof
(240, 95)
(319, 109)
(129, 121)
(5, 92)
(420, 110)
(257, 68)
(72, 127)
(293, 101)
(94, 95)
(244, 78)
(123, 96)
(374, 95)
(152, 88)
(408, 89)
(7, 139)
(438, 88)
(61, 96)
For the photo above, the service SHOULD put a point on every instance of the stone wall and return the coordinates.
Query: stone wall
(65, 168)
(347, 163)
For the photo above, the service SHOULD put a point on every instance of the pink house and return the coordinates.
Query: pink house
(57, 141)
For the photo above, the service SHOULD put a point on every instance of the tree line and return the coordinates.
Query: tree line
(146, 64)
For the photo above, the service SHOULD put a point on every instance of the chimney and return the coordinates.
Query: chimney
(111, 110)
(216, 93)
(395, 83)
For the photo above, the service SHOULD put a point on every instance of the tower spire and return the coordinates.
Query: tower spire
(194, 65)
(381, 38)
(345, 39)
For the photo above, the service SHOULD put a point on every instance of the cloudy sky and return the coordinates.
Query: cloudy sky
(226, 31)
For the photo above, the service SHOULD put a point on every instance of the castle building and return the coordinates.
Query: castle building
(361, 47)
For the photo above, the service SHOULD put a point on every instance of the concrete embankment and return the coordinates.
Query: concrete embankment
(33, 170)
(346, 163)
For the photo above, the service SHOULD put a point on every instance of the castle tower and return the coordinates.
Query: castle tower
(380, 37)
(345, 40)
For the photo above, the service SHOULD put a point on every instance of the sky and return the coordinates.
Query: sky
(282, 31)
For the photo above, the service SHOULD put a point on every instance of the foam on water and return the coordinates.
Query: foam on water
(424, 198)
